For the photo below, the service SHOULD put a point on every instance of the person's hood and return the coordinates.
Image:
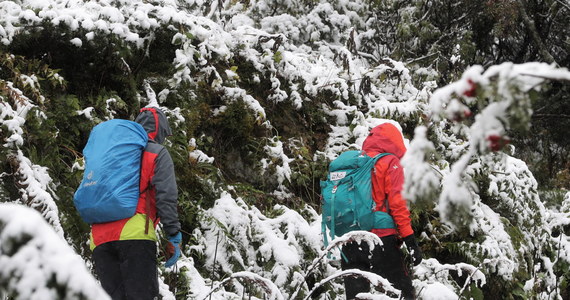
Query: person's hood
(154, 121)
(384, 138)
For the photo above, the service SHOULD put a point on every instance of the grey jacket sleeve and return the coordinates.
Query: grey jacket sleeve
(164, 182)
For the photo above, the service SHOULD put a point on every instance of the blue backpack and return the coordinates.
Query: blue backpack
(109, 190)
(347, 196)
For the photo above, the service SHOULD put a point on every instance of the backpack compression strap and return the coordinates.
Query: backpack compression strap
(376, 158)
(324, 226)
(147, 208)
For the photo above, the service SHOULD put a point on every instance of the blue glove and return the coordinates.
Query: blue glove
(173, 249)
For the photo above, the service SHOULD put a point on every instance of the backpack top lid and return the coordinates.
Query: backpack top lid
(114, 137)
(352, 159)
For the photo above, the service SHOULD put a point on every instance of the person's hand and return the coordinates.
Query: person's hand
(173, 249)
(414, 249)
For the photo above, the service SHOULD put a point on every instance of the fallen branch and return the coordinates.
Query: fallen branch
(377, 281)
(268, 287)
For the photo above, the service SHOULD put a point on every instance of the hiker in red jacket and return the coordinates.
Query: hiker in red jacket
(387, 182)
(124, 251)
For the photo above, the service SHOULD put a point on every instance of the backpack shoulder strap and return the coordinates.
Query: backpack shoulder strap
(380, 155)
(376, 158)
(146, 191)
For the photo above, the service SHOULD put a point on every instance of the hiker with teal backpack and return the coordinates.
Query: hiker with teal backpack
(363, 192)
(129, 186)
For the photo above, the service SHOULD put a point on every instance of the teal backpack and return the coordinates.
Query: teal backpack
(347, 196)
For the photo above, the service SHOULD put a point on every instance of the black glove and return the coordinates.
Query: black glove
(414, 249)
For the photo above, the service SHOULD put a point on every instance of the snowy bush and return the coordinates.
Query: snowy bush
(261, 95)
(36, 263)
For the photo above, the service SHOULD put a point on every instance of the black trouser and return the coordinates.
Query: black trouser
(386, 261)
(127, 269)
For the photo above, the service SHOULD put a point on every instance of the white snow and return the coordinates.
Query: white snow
(32, 254)
(76, 42)
(300, 54)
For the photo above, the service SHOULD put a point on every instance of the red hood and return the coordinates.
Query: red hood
(384, 138)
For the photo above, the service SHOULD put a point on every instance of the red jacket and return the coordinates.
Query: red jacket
(388, 177)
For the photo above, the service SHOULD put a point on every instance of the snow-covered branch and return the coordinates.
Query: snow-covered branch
(36, 263)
